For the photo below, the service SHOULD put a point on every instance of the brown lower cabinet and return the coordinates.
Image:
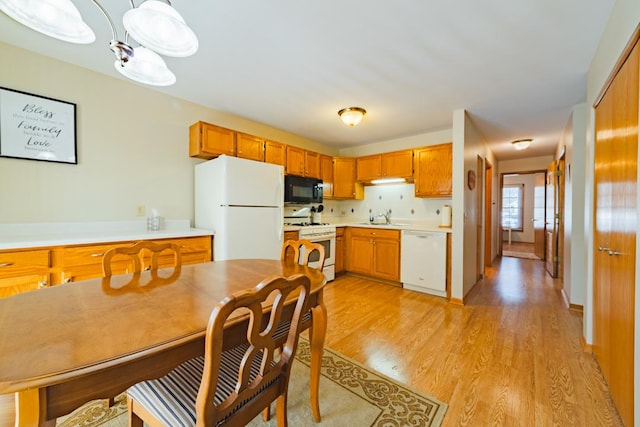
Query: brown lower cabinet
(24, 270)
(374, 252)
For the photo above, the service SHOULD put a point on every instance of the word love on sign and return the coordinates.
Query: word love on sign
(37, 128)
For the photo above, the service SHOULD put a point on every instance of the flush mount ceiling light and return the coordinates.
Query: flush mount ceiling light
(521, 144)
(154, 24)
(352, 116)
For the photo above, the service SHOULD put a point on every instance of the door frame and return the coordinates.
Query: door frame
(499, 198)
(488, 212)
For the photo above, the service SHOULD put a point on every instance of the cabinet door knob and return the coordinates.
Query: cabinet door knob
(611, 253)
(42, 284)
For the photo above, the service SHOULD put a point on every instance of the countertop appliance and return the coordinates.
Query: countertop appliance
(242, 202)
(424, 262)
(299, 189)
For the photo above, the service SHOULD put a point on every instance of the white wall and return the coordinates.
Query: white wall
(421, 140)
(528, 181)
(468, 144)
(574, 258)
(133, 147)
(623, 21)
(528, 164)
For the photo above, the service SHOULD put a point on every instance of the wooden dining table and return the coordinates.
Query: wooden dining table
(63, 346)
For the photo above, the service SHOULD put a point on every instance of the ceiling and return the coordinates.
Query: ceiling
(516, 66)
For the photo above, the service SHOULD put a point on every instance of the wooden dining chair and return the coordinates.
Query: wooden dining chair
(240, 374)
(291, 251)
(136, 254)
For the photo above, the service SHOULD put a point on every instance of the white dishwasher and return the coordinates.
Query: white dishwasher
(424, 262)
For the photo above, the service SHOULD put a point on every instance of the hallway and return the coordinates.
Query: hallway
(510, 357)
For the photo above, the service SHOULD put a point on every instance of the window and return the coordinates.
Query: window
(512, 210)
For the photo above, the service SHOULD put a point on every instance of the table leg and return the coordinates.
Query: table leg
(30, 409)
(316, 336)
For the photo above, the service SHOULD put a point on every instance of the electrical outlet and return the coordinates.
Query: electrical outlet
(140, 210)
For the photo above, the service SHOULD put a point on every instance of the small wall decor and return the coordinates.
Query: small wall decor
(37, 128)
(471, 179)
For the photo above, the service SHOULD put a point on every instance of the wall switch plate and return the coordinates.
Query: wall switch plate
(140, 210)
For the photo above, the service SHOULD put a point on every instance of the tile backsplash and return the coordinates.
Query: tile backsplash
(378, 198)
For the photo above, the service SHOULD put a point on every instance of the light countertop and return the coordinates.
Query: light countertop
(33, 235)
(400, 225)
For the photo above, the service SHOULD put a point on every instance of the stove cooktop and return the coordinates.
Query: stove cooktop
(307, 224)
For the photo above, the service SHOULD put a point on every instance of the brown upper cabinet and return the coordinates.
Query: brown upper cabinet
(326, 174)
(344, 179)
(434, 171)
(250, 147)
(398, 164)
(276, 153)
(207, 141)
(302, 162)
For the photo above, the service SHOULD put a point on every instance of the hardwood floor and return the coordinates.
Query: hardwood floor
(518, 247)
(510, 357)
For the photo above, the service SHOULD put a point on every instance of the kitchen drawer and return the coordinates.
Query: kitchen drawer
(24, 262)
(194, 250)
(380, 233)
(23, 271)
(73, 256)
(339, 231)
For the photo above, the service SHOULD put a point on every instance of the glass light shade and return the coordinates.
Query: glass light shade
(59, 19)
(521, 144)
(146, 67)
(159, 27)
(352, 116)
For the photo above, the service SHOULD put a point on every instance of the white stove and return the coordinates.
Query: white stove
(324, 233)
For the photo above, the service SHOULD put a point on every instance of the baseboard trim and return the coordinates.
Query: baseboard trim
(573, 307)
(587, 348)
(565, 298)
(576, 307)
(456, 301)
(375, 279)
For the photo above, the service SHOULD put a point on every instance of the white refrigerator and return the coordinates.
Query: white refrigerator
(242, 202)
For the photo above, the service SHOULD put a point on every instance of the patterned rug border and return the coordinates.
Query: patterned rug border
(398, 404)
(427, 411)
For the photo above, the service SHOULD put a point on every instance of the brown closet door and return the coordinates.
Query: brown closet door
(616, 155)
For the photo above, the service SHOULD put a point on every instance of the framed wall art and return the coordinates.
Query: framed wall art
(37, 128)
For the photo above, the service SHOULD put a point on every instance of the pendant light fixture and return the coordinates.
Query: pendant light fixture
(352, 116)
(59, 19)
(157, 26)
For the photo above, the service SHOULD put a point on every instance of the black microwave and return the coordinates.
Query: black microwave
(298, 189)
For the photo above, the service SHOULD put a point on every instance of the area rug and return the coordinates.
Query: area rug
(515, 254)
(350, 395)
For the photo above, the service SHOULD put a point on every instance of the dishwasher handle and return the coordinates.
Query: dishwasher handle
(419, 234)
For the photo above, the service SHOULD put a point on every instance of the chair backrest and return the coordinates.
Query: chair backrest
(135, 253)
(257, 375)
(291, 250)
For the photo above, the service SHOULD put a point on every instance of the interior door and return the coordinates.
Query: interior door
(551, 222)
(615, 213)
(479, 222)
(488, 217)
(538, 215)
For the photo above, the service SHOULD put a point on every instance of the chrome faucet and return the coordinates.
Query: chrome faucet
(387, 216)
